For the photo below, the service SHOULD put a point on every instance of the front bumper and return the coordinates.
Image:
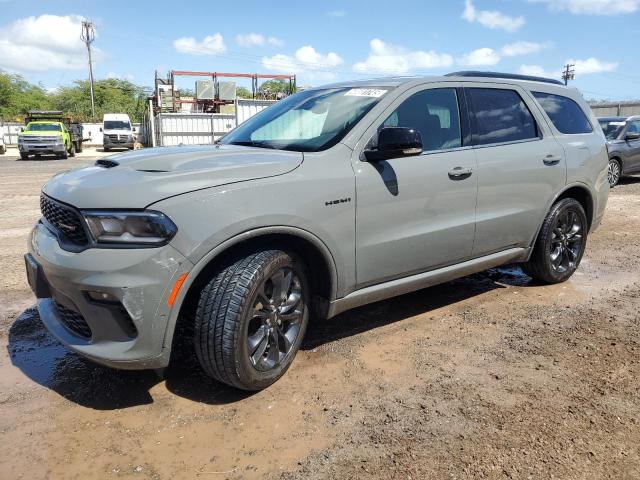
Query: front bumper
(41, 148)
(127, 334)
(125, 142)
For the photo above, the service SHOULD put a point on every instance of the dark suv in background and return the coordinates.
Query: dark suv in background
(623, 143)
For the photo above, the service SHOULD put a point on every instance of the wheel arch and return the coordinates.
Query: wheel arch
(577, 191)
(316, 255)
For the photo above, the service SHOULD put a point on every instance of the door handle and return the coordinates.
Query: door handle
(552, 159)
(460, 173)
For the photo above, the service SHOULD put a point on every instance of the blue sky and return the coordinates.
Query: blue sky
(326, 41)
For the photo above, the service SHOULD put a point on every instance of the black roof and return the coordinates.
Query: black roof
(510, 76)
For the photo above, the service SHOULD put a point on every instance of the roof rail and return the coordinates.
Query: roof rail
(510, 76)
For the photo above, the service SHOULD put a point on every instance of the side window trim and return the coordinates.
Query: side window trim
(473, 121)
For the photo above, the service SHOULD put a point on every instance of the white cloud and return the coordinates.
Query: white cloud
(210, 45)
(592, 65)
(43, 43)
(248, 40)
(518, 49)
(387, 58)
(337, 13)
(593, 7)
(305, 60)
(118, 76)
(480, 57)
(582, 67)
(537, 71)
(491, 19)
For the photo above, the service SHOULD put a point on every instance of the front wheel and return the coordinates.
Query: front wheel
(615, 170)
(251, 319)
(24, 156)
(560, 244)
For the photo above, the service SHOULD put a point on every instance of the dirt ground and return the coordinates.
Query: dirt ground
(489, 376)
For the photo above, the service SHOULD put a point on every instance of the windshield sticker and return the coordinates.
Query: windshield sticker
(365, 92)
(617, 124)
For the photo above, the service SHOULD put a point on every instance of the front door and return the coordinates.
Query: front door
(633, 148)
(417, 213)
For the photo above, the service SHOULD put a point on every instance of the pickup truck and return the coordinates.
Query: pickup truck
(49, 133)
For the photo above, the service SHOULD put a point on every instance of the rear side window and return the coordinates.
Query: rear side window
(500, 116)
(566, 115)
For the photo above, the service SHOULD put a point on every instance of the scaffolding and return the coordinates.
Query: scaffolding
(167, 98)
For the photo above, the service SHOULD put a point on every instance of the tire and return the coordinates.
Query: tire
(64, 155)
(563, 235)
(105, 149)
(72, 150)
(615, 171)
(244, 335)
(24, 156)
(79, 146)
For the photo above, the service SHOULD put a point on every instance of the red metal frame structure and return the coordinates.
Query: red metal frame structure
(215, 76)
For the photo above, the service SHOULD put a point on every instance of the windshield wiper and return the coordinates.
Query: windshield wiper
(252, 143)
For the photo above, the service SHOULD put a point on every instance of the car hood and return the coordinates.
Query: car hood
(139, 178)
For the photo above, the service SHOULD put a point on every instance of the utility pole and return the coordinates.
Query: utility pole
(88, 35)
(569, 72)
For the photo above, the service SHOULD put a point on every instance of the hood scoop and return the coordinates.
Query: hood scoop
(106, 163)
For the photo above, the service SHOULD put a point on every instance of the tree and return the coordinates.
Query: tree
(17, 96)
(271, 88)
(242, 92)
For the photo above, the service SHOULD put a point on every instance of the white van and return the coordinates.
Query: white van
(117, 131)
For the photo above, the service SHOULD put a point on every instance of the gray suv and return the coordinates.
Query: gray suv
(333, 198)
(623, 144)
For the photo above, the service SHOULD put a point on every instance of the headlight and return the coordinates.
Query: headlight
(136, 228)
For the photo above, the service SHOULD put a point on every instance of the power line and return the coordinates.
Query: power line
(569, 72)
(88, 35)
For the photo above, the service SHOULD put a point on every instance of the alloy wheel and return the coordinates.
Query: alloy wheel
(613, 174)
(566, 241)
(276, 318)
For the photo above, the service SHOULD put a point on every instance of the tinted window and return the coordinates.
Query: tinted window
(500, 116)
(434, 113)
(634, 127)
(566, 115)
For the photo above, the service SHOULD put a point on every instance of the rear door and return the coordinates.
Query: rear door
(520, 166)
(417, 213)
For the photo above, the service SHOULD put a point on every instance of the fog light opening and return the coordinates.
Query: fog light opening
(102, 297)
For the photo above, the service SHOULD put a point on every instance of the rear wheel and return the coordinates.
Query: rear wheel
(615, 170)
(560, 244)
(79, 146)
(251, 318)
(72, 150)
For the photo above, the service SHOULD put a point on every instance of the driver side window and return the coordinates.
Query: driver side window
(435, 114)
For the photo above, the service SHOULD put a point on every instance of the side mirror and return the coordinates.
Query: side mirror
(22, 129)
(100, 128)
(632, 136)
(133, 129)
(395, 142)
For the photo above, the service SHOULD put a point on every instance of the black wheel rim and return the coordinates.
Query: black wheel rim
(614, 173)
(567, 240)
(275, 321)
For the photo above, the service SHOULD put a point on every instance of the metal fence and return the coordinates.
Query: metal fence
(168, 129)
(616, 109)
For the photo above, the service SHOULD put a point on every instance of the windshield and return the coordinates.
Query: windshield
(116, 125)
(612, 128)
(309, 121)
(43, 127)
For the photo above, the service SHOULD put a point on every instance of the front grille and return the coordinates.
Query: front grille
(123, 138)
(39, 139)
(65, 219)
(73, 321)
